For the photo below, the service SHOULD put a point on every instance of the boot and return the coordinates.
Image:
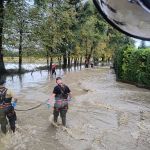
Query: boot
(3, 128)
(64, 121)
(55, 118)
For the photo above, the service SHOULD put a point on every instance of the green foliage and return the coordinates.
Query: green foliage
(16, 19)
(70, 28)
(118, 62)
(134, 65)
(12, 54)
(139, 66)
(126, 59)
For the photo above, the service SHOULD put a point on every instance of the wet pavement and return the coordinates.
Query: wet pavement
(103, 115)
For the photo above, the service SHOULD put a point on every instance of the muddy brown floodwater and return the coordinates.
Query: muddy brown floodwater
(104, 115)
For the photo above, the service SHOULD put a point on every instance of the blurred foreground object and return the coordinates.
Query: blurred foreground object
(131, 17)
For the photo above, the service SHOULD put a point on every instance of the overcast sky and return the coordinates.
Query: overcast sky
(138, 42)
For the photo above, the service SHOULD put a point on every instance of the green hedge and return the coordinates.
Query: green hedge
(133, 65)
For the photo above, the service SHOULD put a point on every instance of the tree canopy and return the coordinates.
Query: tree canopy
(64, 29)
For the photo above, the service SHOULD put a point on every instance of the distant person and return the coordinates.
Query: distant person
(61, 93)
(54, 69)
(6, 108)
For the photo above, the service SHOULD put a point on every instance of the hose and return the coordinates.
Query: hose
(34, 107)
(31, 107)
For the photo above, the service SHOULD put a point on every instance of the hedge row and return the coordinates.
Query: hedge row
(133, 65)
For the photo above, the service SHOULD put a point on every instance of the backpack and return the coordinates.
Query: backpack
(2, 108)
(2, 94)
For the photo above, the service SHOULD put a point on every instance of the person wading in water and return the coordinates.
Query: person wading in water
(61, 93)
(6, 108)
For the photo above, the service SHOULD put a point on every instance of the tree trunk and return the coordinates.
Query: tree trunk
(65, 60)
(75, 62)
(47, 59)
(2, 66)
(20, 51)
(80, 61)
(69, 61)
(51, 58)
(103, 58)
(59, 61)
(86, 55)
(87, 60)
(51, 62)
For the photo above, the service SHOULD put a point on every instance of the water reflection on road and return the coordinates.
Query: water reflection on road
(32, 79)
(105, 114)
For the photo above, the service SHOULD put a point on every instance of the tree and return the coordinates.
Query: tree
(56, 30)
(93, 30)
(142, 45)
(119, 43)
(3, 5)
(18, 26)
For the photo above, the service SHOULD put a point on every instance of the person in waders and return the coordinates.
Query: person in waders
(61, 93)
(6, 108)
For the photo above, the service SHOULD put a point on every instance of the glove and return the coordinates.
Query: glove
(48, 104)
(14, 104)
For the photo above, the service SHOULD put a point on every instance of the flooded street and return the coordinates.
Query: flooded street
(104, 114)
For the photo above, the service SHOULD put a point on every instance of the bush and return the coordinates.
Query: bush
(134, 65)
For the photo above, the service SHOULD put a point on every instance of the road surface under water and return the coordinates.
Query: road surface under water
(104, 114)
